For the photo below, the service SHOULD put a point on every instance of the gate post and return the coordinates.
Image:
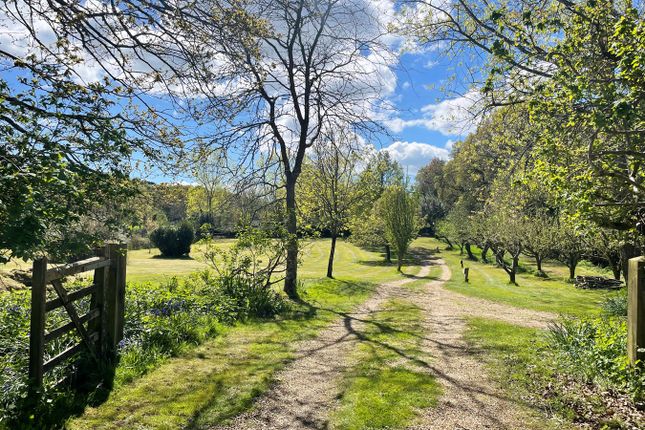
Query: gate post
(636, 309)
(115, 298)
(37, 324)
(99, 301)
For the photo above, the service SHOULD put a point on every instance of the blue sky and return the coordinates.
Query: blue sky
(431, 109)
(429, 112)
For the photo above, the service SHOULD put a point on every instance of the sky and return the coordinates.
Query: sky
(432, 110)
(429, 106)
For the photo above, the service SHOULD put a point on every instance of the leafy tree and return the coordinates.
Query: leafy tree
(329, 191)
(366, 224)
(430, 186)
(578, 68)
(400, 211)
(570, 246)
(457, 228)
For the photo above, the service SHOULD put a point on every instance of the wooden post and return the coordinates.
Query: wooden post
(111, 305)
(115, 298)
(466, 274)
(37, 325)
(636, 309)
(121, 263)
(101, 280)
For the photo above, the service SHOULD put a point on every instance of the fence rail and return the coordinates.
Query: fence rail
(100, 329)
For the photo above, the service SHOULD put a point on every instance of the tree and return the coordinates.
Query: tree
(329, 189)
(578, 68)
(457, 228)
(570, 246)
(67, 142)
(400, 211)
(366, 223)
(539, 236)
(307, 70)
(430, 186)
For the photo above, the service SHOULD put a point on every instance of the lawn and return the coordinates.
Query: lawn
(351, 262)
(553, 294)
(509, 351)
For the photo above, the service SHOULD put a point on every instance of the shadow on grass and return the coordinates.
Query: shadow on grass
(181, 258)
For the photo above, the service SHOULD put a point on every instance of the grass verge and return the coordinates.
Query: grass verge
(388, 385)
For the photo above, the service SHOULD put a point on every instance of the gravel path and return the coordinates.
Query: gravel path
(470, 399)
(306, 391)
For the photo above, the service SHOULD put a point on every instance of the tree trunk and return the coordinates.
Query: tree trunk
(573, 262)
(291, 275)
(470, 252)
(388, 254)
(399, 261)
(513, 271)
(616, 270)
(538, 263)
(485, 253)
(461, 248)
(330, 264)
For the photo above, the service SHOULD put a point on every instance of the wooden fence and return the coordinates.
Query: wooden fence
(100, 329)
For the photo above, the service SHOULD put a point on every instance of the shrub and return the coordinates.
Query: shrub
(594, 351)
(616, 305)
(172, 241)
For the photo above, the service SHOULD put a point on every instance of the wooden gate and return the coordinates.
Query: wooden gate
(100, 329)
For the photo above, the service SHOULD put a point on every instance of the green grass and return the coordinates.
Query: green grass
(388, 384)
(552, 294)
(512, 355)
(219, 379)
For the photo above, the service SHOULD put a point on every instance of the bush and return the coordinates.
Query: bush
(616, 305)
(594, 351)
(173, 242)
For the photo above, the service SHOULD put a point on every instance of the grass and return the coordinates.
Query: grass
(388, 384)
(511, 354)
(219, 379)
(147, 265)
(552, 294)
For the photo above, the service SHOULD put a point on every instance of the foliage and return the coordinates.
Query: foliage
(616, 304)
(430, 187)
(577, 68)
(594, 350)
(258, 255)
(173, 241)
(563, 373)
(399, 210)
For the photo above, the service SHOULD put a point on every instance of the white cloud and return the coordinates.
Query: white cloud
(449, 117)
(414, 155)
(430, 64)
(406, 85)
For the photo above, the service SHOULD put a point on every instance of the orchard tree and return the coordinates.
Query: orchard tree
(570, 246)
(400, 212)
